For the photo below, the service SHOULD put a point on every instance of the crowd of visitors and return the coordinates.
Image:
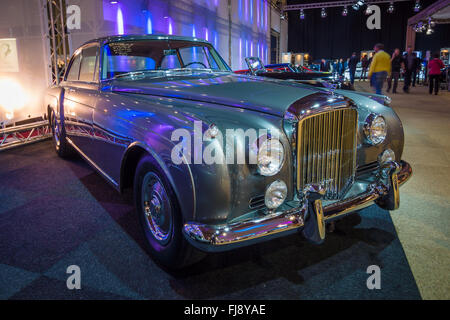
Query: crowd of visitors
(382, 67)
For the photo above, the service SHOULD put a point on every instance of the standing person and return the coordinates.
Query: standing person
(396, 65)
(364, 66)
(352, 67)
(416, 71)
(335, 66)
(410, 67)
(434, 73)
(380, 68)
(323, 66)
(343, 66)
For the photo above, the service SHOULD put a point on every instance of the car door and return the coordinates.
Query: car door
(81, 87)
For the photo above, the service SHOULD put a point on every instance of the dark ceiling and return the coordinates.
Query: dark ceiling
(337, 37)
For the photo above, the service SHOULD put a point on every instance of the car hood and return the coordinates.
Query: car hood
(240, 91)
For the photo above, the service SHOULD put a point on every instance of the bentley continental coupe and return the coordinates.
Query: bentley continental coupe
(132, 105)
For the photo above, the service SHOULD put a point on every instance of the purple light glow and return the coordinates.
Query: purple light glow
(240, 52)
(257, 13)
(246, 9)
(120, 29)
(170, 26)
(240, 9)
(149, 25)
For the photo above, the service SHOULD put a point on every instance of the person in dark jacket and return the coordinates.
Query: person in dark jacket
(364, 66)
(434, 73)
(341, 67)
(410, 59)
(324, 66)
(352, 67)
(396, 64)
(416, 71)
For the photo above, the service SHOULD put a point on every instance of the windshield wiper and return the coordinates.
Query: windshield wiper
(135, 73)
(192, 70)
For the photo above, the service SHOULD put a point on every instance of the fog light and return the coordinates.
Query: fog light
(387, 156)
(276, 193)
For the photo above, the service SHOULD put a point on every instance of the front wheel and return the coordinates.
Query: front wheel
(160, 217)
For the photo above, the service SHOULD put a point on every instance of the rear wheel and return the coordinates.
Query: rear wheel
(160, 217)
(62, 147)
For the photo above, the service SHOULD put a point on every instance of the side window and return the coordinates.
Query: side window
(74, 70)
(88, 61)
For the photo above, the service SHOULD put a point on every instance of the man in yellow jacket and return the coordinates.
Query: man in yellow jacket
(380, 68)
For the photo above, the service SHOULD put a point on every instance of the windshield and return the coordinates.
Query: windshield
(159, 57)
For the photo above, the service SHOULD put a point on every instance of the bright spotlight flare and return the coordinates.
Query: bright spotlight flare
(323, 13)
(417, 6)
(358, 4)
(302, 14)
(12, 97)
(344, 12)
(391, 7)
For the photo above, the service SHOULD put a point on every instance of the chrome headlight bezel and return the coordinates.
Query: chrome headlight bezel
(269, 160)
(372, 122)
(275, 194)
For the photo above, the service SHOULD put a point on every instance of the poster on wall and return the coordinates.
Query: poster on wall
(9, 61)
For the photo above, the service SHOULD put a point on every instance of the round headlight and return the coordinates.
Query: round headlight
(275, 195)
(270, 157)
(375, 129)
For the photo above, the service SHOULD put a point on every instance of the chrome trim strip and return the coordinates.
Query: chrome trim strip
(216, 238)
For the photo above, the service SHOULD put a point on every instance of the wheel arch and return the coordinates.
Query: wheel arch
(130, 160)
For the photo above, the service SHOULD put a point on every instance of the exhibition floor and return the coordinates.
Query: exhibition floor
(55, 213)
(423, 220)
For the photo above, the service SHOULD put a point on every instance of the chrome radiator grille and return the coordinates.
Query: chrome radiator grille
(326, 150)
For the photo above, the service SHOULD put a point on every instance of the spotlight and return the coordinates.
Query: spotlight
(368, 11)
(282, 16)
(114, 2)
(429, 30)
(344, 12)
(391, 7)
(302, 14)
(323, 13)
(358, 4)
(417, 6)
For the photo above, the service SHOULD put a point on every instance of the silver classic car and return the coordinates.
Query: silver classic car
(219, 160)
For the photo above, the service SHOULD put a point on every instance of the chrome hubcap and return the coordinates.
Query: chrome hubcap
(157, 208)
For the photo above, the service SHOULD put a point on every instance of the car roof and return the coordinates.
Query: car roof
(118, 38)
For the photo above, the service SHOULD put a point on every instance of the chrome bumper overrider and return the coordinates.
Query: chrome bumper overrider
(215, 238)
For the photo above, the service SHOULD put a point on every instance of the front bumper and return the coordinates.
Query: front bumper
(216, 238)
